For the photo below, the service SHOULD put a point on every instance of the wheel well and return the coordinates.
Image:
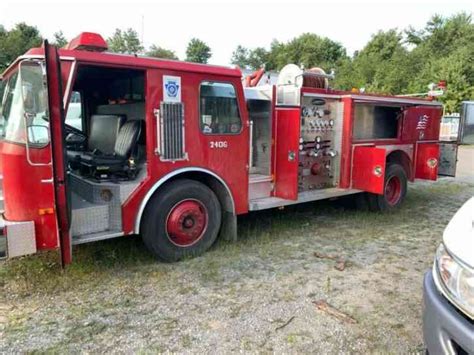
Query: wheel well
(221, 191)
(214, 183)
(402, 158)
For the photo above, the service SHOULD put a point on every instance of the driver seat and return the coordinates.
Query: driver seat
(103, 133)
(102, 165)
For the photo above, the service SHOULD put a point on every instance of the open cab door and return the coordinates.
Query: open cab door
(58, 152)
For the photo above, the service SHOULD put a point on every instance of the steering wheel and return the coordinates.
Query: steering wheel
(70, 129)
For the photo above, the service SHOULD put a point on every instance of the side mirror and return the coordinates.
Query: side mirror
(33, 79)
(28, 97)
(38, 135)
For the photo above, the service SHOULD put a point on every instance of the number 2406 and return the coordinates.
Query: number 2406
(218, 144)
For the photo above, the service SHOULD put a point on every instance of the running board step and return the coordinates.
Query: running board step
(88, 218)
(260, 186)
(306, 196)
(95, 237)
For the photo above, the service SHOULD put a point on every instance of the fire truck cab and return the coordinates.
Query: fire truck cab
(98, 145)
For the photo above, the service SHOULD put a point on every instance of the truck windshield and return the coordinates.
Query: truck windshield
(25, 96)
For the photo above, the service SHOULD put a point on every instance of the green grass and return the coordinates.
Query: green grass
(266, 234)
(120, 275)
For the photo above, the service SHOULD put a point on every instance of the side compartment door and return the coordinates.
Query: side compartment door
(286, 160)
(368, 169)
(58, 149)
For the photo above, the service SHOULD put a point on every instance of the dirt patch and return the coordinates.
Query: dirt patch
(256, 294)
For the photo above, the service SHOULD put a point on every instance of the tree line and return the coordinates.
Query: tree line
(392, 62)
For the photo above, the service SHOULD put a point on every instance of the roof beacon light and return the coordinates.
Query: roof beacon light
(88, 41)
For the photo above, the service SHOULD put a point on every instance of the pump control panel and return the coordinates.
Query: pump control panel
(320, 143)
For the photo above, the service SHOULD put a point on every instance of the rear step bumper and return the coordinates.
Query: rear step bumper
(16, 238)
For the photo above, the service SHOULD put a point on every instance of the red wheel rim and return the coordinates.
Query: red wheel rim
(393, 190)
(186, 223)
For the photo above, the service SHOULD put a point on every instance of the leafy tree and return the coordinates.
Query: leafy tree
(258, 58)
(198, 51)
(308, 50)
(59, 39)
(16, 42)
(240, 56)
(251, 59)
(125, 42)
(381, 66)
(160, 52)
(445, 51)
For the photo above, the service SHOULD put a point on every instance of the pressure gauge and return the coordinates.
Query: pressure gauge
(305, 111)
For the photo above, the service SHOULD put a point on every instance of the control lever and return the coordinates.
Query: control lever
(314, 153)
(331, 152)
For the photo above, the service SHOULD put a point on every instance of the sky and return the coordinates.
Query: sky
(225, 24)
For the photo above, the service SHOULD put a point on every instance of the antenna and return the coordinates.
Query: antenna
(143, 30)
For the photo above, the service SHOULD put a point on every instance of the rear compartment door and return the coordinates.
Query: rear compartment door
(427, 161)
(448, 158)
(58, 149)
(286, 152)
(450, 138)
(368, 169)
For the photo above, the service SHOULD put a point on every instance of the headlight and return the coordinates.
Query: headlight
(456, 279)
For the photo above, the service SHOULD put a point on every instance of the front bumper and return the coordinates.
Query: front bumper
(3, 239)
(445, 330)
(16, 238)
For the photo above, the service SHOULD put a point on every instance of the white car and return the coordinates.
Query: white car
(448, 316)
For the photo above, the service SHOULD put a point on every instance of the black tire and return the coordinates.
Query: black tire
(390, 201)
(159, 213)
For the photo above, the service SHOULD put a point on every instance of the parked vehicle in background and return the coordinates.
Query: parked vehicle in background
(467, 123)
(74, 111)
(448, 319)
(449, 130)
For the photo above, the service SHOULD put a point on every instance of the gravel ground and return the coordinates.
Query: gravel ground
(255, 295)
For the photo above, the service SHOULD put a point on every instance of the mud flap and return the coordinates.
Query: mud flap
(368, 169)
(228, 229)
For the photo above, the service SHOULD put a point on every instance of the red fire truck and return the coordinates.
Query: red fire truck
(97, 145)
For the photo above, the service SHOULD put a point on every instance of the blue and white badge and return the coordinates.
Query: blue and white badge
(171, 88)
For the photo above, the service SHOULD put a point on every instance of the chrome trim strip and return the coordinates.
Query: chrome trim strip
(32, 56)
(165, 178)
(311, 94)
(68, 86)
(393, 100)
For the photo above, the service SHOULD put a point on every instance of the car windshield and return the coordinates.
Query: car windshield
(25, 96)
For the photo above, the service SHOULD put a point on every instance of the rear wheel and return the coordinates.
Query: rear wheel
(182, 220)
(395, 189)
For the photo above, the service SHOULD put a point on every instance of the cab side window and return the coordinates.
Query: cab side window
(74, 111)
(219, 109)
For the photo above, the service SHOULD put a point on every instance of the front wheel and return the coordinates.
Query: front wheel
(182, 220)
(395, 189)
